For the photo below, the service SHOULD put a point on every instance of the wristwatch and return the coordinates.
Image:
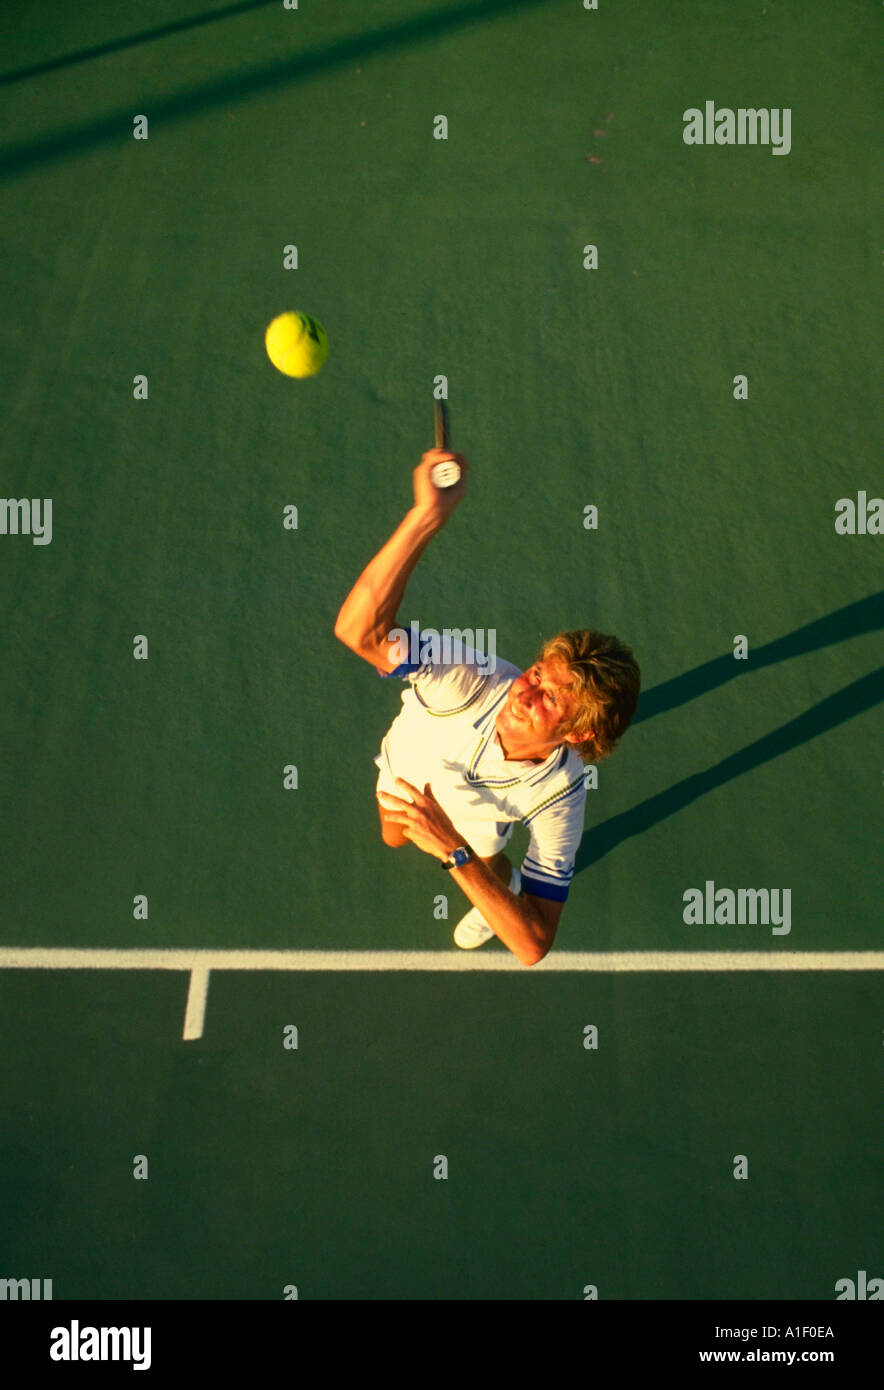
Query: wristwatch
(457, 858)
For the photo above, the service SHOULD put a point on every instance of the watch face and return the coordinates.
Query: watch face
(456, 858)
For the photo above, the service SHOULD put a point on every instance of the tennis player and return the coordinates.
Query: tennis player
(480, 746)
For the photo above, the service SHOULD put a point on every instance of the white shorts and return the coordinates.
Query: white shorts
(485, 837)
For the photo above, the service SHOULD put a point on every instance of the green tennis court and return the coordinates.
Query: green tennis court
(186, 753)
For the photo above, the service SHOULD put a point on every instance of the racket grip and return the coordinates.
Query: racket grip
(443, 475)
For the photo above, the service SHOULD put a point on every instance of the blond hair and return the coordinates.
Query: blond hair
(605, 679)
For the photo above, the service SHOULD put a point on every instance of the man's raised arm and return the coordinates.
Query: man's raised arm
(369, 611)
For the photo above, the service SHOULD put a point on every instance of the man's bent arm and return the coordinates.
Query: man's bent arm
(526, 925)
(369, 612)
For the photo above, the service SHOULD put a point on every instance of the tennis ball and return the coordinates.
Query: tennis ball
(296, 344)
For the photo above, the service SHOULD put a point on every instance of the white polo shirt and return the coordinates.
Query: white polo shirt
(445, 735)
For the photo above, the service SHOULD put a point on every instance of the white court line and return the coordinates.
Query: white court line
(201, 963)
(195, 1013)
(138, 958)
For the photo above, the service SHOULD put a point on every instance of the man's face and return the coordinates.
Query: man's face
(538, 704)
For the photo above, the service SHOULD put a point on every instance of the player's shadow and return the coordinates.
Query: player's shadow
(867, 615)
(115, 127)
(103, 50)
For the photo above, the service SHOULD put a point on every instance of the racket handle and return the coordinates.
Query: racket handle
(443, 475)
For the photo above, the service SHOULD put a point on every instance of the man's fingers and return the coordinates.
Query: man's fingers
(394, 803)
(397, 803)
(401, 782)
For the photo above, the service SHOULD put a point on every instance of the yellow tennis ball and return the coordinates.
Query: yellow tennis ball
(296, 344)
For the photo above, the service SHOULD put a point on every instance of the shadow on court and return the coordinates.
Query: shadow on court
(102, 50)
(866, 615)
(116, 126)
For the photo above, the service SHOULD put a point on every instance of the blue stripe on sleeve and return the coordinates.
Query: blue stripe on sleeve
(540, 889)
